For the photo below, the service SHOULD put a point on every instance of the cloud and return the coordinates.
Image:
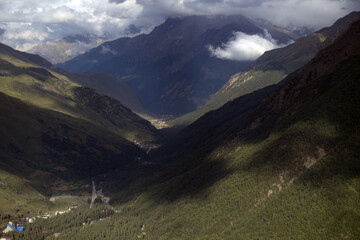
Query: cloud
(314, 14)
(53, 20)
(110, 19)
(117, 1)
(244, 47)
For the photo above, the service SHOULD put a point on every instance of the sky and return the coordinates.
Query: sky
(26, 23)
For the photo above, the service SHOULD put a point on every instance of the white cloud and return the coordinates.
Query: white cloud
(243, 47)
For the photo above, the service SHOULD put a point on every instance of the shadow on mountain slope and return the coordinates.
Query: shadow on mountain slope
(314, 112)
(35, 139)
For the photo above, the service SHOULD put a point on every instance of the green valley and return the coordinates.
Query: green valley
(274, 154)
(285, 169)
(56, 135)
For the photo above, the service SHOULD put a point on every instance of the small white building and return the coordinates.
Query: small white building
(30, 219)
(60, 212)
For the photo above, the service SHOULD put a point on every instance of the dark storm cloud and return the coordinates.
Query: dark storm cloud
(310, 13)
(31, 22)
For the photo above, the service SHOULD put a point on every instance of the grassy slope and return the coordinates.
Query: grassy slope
(45, 153)
(18, 196)
(55, 135)
(50, 90)
(239, 85)
(292, 174)
(47, 89)
(272, 67)
(110, 86)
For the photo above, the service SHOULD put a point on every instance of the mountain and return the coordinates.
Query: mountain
(110, 86)
(35, 81)
(288, 169)
(272, 67)
(285, 169)
(67, 48)
(171, 69)
(47, 153)
(300, 31)
(57, 134)
(101, 82)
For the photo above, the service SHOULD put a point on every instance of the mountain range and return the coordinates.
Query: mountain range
(55, 132)
(277, 158)
(171, 69)
(285, 169)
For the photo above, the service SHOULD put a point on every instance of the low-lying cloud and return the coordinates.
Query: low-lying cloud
(244, 47)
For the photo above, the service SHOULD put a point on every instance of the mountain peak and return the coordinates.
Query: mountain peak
(171, 68)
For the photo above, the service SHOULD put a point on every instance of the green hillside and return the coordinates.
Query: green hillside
(239, 85)
(56, 135)
(35, 82)
(110, 86)
(272, 67)
(287, 169)
(44, 153)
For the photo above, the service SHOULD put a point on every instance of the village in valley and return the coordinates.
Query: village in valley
(18, 227)
(96, 196)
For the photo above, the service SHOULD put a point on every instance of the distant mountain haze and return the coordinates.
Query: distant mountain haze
(66, 48)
